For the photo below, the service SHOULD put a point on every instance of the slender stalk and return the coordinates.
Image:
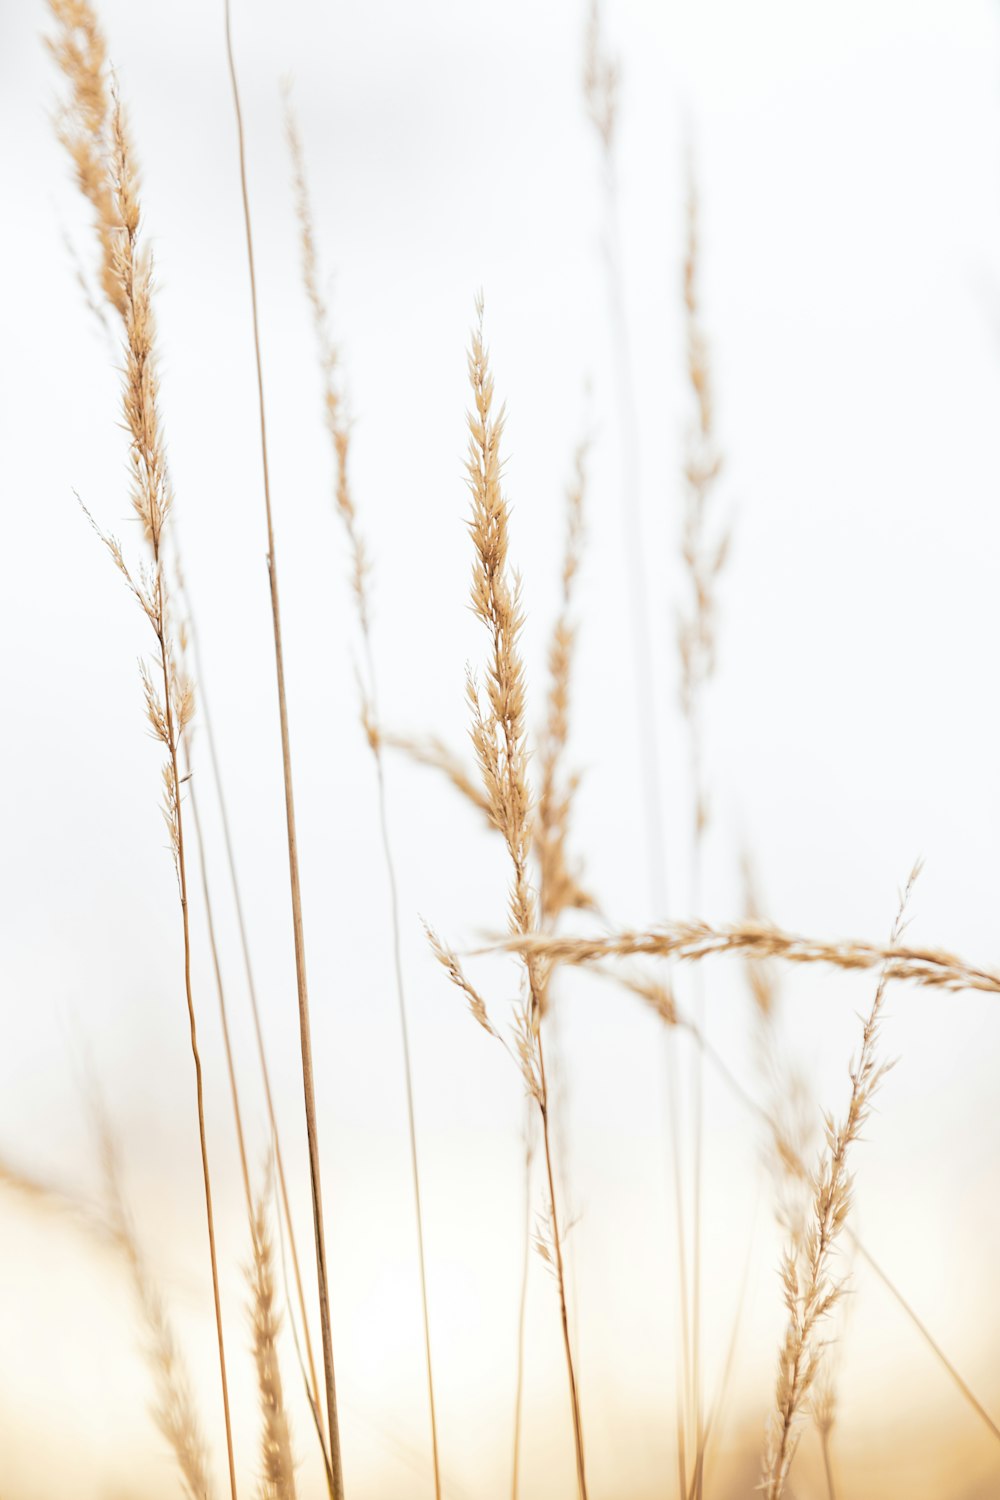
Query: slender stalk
(522, 1305)
(305, 1036)
(312, 1383)
(195, 1053)
(824, 1438)
(339, 432)
(500, 742)
(928, 1338)
(581, 1477)
(220, 990)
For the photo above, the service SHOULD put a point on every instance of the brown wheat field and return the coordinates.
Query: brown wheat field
(499, 902)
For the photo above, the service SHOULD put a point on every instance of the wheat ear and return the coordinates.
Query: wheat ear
(500, 743)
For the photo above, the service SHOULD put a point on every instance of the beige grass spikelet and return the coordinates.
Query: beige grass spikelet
(277, 1466)
(811, 1286)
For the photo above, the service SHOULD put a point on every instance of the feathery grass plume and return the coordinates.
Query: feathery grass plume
(169, 694)
(498, 733)
(277, 1467)
(338, 428)
(85, 130)
(173, 1411)
(81, 53)
(659, 998)
(335, 1465)
(691, 942)
(811, 1287)
(499, 738)
(85, 127)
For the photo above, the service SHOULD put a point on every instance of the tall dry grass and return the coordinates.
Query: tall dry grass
(535, 825)
(499, 739)
(333, 1454)
(94, 129)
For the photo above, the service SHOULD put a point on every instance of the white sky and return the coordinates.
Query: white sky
(849, 162)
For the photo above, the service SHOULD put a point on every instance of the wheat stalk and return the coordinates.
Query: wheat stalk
(338, 429)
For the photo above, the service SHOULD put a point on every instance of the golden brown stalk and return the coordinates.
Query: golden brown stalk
(305, 1032)
(129, 281)
(500, 742)
(338, 429)
(277, 1467)
(522, 1306)
(811, 1287)
(309, 1365)
(174, 1411)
